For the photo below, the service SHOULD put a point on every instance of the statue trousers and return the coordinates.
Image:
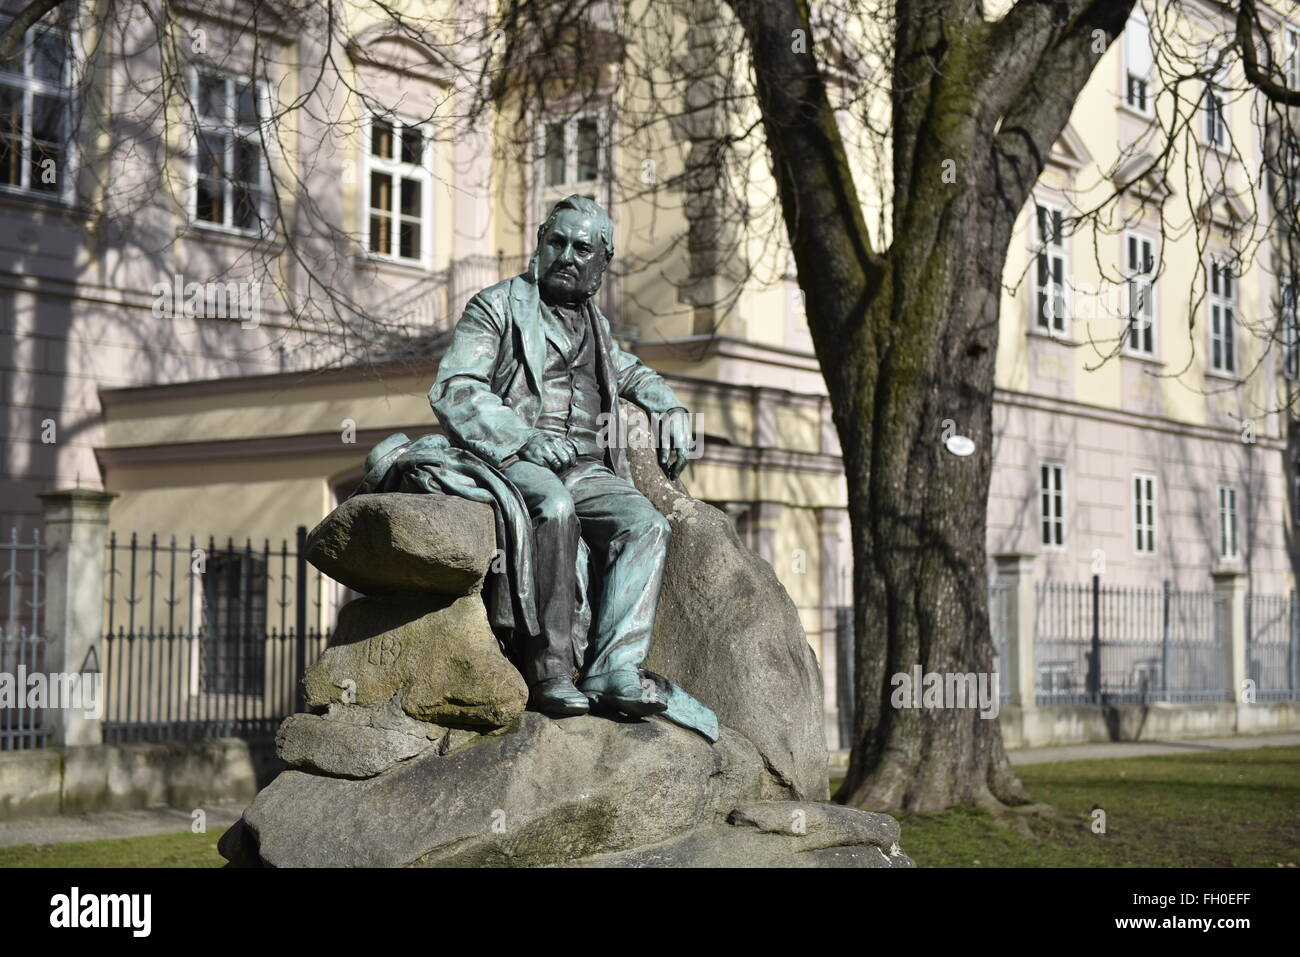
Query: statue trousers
(627, 541)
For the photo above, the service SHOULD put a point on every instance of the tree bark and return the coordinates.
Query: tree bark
(907, 342)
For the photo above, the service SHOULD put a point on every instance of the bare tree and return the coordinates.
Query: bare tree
(954, 108)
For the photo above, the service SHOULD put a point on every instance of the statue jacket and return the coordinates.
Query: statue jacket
(488, 392)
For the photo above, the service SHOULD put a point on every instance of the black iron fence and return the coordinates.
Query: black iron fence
(205, 640)
(22, 644)
(1104, 644)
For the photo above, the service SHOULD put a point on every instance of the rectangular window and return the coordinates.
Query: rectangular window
(1214, 116)
(35, 113)
(1227, 521)
(1295, 492)
(1137, 63)
(399, 190)
(231, 183)
(1292, 56)
(1051, 499)
(1223, 318)
(572, 160)
(1051, 275)
(1289, 320)
(234, 627)
(1144, 513)
(1140, 266)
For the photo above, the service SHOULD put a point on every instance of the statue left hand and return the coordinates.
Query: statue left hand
(674, 442)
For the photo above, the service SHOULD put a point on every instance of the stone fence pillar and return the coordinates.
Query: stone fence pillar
(1230, 588)
(1015, 570)
(76, 533)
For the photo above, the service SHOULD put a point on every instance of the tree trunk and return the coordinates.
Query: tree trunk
(918, 514)
(907, 341)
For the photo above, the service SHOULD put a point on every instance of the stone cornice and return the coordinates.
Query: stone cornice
(1068, 407)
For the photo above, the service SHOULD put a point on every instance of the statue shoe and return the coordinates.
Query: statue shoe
(624, 691)
(557, 696)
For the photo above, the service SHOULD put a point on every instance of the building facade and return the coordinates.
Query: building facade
(1139, 428)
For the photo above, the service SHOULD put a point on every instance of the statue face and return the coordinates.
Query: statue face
(571, 260)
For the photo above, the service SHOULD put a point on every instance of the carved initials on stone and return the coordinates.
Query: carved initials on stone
(384, 650)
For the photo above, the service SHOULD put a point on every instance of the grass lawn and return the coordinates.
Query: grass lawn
(1224, 808)
(157, 850)
(1207, 809)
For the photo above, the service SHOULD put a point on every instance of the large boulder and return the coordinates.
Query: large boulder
(394, 542)
(775, 834)
(586, 791)
(727, 632)
(437, 654)
(546, 792)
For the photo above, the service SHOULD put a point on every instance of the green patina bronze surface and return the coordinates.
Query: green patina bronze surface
(527, 394)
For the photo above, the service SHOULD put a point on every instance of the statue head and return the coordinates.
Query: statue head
(574, 246)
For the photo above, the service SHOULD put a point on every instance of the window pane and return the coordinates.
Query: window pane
(409, 240)
(588, 150)
(212, 154)
(248, 162)
(47, 168)
(413, 145)
(209, 201)
(554, 161)
(380, 237)
(11, 131)
(11, 110)
(47, 118)
(48, 56)
(246, 206)
(410, 197)
(212, 97)
(381, 139)
(11, 160)
(15, 62)
(381, 192)
(245, 105)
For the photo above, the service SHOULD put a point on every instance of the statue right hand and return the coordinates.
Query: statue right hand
(550, 452)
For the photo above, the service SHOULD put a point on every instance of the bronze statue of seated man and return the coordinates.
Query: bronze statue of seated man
(530, 384)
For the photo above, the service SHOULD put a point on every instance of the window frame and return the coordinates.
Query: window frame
(230, 658)
(1295, 492)
(1229, 522)
(1150, 526)
(1289, 321)
(1214, 116)
(31, 87)
(1291, 54)
(1146, 107)
(1221, 325)
(1052, 324)
(1131, 328)
(546, 194)
(398, 169)
(1047, 497)
(260, 129)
